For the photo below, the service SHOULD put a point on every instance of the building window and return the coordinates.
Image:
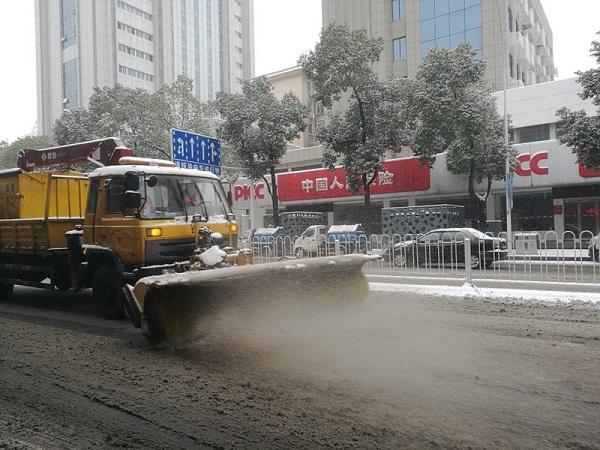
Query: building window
(70, 85)
(238, 49)
(448, 23)
(398, 10)
(135, 52)
(510, 20)
(238, 18)
(132, 9)
(135, 31)
(534, 134)
(68, 22)
(511, 65)
(399, 48)
(135, 73)
(239, 65)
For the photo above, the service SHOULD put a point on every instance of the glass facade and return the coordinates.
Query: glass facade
(209, 53)
(184, 50)
(398, 10)
(197, 48)
(68, 22)
(221, 49)
(399, 48)
(448, 23)
(70, 84)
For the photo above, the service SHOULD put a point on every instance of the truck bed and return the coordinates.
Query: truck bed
(35, 236)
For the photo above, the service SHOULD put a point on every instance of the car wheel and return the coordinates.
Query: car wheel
(6, 290)
(400, 259)
(475, 262)
(106, 287)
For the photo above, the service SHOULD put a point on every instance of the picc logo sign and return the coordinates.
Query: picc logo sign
(531, 164)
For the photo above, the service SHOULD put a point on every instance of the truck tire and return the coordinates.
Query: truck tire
(6, 290)
(107, 290)
(60, 277)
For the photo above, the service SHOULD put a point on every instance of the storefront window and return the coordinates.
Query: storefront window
(533, 212)
(582, 216)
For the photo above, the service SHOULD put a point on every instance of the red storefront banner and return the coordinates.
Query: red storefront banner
(400, 175)
(588, 173)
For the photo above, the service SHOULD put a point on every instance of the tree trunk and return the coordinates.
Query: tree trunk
(480, 200)
(482, 214)
(274, 197)
(367, 188)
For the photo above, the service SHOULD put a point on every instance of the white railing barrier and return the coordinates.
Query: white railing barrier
(560, 256)
(467, 246)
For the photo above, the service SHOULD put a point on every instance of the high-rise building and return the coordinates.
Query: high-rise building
(82, 44)
(511, 36)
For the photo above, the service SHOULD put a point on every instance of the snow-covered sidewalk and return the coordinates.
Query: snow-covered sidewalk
(487, 293)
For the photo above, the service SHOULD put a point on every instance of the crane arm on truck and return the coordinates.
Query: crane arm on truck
(103, 152)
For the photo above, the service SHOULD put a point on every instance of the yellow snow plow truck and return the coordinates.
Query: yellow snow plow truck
(150, 239)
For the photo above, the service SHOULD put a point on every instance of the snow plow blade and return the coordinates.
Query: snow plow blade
(172, 306)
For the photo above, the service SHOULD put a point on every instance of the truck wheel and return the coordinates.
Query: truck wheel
(106, 287)
(6, 290)
(60, 277)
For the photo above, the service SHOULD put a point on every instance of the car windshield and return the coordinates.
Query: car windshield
(477, 233)
(183, 197)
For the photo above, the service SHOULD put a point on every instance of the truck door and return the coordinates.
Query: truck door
(90, 213)
(113, 229)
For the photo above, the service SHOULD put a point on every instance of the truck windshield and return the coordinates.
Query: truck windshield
(176, 197)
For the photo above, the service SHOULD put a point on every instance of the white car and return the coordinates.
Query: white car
(312, 241)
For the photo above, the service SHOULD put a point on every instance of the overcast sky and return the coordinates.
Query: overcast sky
(283, 30)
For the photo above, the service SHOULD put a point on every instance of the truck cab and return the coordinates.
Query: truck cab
(143, 219)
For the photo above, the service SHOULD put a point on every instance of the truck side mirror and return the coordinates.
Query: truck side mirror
(132, 182)
(227, 187)
(132, 200)
(152, 181)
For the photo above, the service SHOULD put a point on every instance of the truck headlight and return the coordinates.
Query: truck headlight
(154, 232)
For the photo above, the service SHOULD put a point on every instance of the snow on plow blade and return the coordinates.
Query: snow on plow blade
(173, 305)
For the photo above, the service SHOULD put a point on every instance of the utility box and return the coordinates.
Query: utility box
(526, 243)
(421, 219)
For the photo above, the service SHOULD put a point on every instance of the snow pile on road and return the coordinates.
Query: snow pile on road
(487, 293)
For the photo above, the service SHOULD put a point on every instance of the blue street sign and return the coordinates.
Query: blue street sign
(194, 151)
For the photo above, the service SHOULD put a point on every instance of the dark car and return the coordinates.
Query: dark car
(446, 247)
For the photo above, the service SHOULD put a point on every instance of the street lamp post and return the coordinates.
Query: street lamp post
(503, 18)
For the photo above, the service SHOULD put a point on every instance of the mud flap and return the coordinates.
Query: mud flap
(132, 307)
(173, 305)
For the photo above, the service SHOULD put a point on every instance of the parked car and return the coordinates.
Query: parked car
(311, 242)
(594, 248)
(447, 247)
(318, 240)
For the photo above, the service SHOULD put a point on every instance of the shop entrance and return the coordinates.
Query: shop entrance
(582, 214)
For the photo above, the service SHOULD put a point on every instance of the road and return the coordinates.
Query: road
(388, 372)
